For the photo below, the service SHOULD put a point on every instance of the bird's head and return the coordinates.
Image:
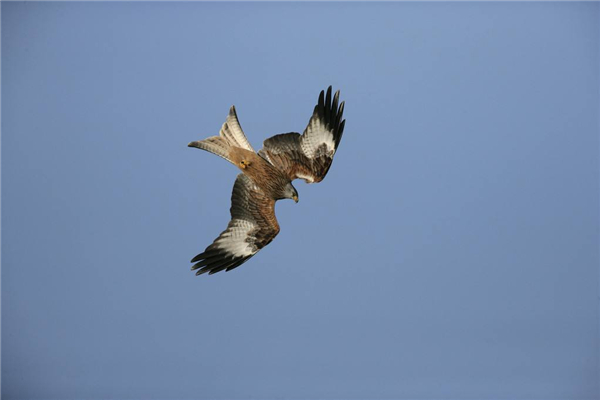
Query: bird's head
(290, 192)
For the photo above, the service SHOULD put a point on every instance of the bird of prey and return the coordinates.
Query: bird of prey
(267, 177)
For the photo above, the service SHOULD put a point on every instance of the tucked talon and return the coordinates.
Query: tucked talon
(244, 163)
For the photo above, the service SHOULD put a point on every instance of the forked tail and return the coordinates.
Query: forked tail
(231, 135)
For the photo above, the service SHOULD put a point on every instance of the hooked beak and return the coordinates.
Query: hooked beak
(295, 198)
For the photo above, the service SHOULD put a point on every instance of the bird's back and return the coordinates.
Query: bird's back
(270, 179)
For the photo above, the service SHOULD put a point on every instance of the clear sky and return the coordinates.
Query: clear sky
(452, 250)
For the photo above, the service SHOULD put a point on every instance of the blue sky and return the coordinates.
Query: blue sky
(452, 250)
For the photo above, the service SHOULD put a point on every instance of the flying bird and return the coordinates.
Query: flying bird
(267, 177)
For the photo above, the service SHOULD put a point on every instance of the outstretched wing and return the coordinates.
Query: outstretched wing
(309, 156)
(253, 226)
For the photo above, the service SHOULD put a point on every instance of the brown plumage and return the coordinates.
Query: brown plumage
(266, 177)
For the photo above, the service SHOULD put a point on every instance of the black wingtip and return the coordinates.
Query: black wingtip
(215, 260)
(334, 106)
(237, 264)
(198, 257)
(340, 133)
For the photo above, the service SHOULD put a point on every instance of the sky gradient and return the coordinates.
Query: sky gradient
(451, 252)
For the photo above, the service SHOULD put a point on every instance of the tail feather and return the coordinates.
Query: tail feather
(232, 131)
(214, 144)
(230, 135)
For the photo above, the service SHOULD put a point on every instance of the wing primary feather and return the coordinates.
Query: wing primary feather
(219, 269)
(237, 263)
(212, 265)
(206, 254)
(328, 102)
(214, 271)
(340, 133)
(207, 261)
(198, 257)
(321, 104)
(341, 111)
(199, 265)
(222, 265)
(334, 107)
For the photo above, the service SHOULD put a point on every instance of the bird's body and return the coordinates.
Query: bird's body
(267, 177)
(270, 179)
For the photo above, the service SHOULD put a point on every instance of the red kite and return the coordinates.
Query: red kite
(267, 177)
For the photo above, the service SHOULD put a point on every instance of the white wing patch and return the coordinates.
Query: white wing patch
(235, 239)
(315, 136)
(307, 178)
